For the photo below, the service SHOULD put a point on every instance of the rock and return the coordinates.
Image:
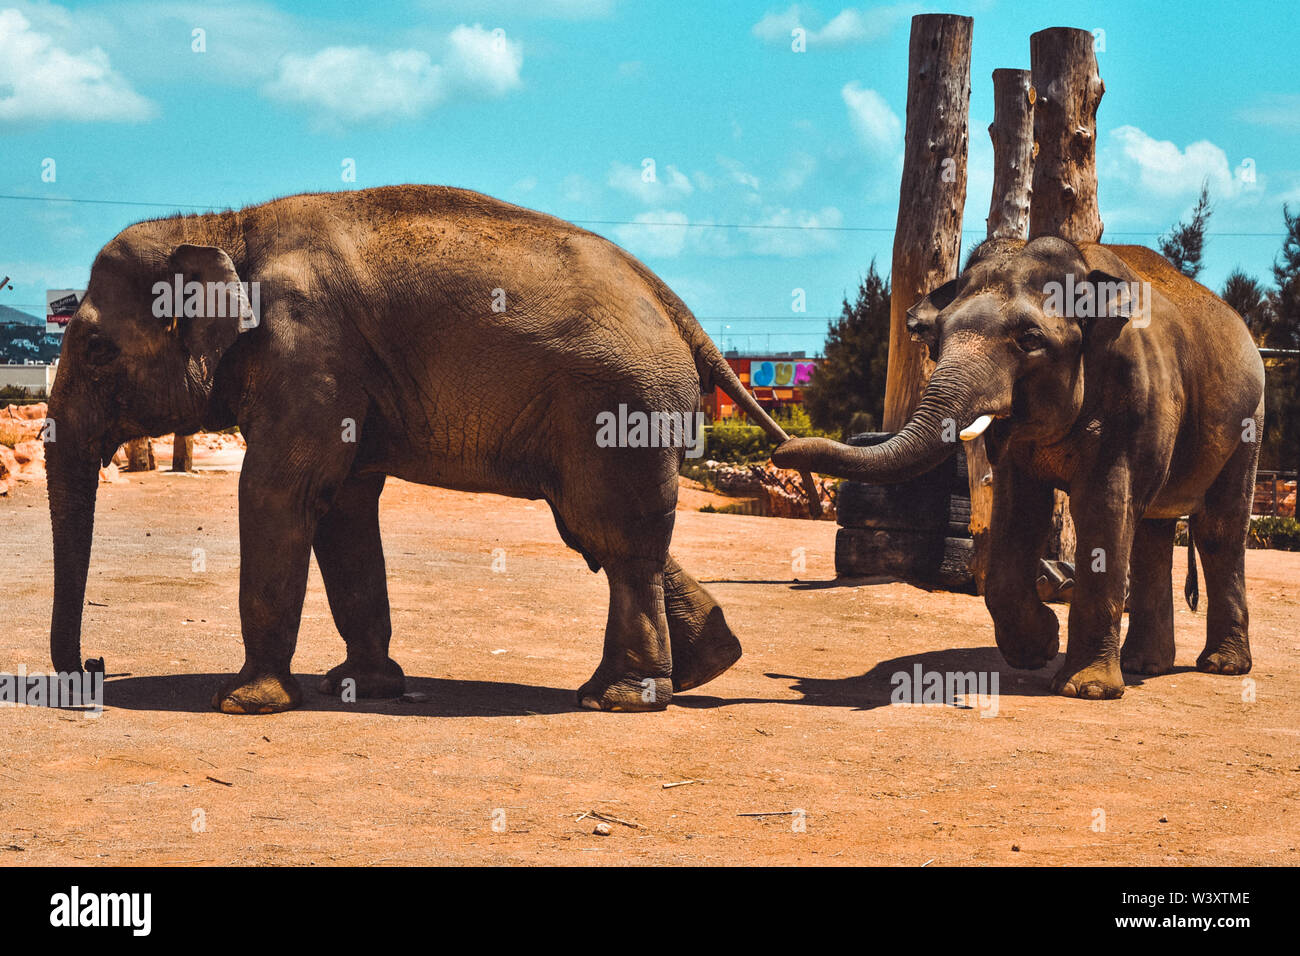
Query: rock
(602, 829)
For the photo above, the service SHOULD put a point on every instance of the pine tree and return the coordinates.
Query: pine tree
(847, 392)
(1184, 246)
(1250, 299)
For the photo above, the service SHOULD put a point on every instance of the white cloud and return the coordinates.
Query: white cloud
(847, 27)
(358, 84)
(663, 235)
(879, 128)
(668, 183)
(796, 174)
(739, 174)
(41, 81)
(1160, 168)
(775, 235)
(1280, 110)
(537, 9)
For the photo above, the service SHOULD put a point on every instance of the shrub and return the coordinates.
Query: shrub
(1278, 533)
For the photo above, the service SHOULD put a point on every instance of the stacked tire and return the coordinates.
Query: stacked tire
(917, 530)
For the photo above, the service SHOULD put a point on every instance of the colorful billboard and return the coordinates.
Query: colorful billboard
(776, 374)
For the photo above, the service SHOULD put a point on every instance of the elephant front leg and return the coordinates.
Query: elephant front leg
(350, 555)
(703, 646)
(1103, 518)
(635, 671)
(274, 550)
(1026, 629)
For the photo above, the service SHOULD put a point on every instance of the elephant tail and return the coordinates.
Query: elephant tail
(714, 371)
(1191, 589)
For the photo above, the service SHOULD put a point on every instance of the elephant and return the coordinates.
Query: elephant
(429, 333)
(1102, 371)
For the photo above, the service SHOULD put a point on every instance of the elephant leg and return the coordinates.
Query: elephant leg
(1149, 644)
(1026, 629)
(1220, 535)
(279, 504)
(703, 646)
(351, 560)
(635, 671)
(1103, 513)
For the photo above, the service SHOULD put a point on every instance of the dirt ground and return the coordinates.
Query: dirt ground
(497, 765)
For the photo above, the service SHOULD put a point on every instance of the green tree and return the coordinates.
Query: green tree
(1248, 296)
(1282, 331)
(847, 392)
(1184, 246)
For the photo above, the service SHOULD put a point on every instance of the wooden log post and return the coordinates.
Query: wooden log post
(1012, 133)
(139, 455)
(927, 240)
(182, 453)
(1069, 90)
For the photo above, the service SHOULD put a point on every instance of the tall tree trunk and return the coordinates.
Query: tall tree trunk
(1012, 132)
(1069, 90)
(927, 241)
(182, 453)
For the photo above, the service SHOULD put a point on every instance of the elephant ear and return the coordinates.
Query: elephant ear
(1115, 298)
(209, 324)
(922, 318)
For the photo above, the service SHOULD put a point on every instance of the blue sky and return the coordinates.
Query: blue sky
(557, 104)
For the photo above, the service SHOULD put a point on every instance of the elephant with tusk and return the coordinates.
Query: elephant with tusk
(423, 332)
(1102, 371)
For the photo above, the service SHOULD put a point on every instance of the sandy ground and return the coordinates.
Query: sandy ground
(497, 765)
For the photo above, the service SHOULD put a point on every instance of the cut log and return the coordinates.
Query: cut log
(183, 453)
(139, 455)
(927, 240)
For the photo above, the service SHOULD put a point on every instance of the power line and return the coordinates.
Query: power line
(635, 222)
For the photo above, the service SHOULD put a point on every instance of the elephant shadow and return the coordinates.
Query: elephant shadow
(878, 686)
(437, 697)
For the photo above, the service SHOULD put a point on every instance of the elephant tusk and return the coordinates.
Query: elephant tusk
(976, 428)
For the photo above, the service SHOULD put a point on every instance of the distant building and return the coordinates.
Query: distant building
(775, 379)
(35, 379)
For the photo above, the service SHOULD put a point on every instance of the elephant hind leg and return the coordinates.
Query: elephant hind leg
(703, 646)
(635, 670)
(350, 556)
(1219, 531)
(1149, 644)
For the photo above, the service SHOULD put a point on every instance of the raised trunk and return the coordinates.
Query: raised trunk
(72, 469)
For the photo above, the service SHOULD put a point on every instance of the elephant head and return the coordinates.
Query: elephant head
(1008, 338)
(139, 358)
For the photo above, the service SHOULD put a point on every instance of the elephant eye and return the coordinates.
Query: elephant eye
(100, 349)
(1032, 340)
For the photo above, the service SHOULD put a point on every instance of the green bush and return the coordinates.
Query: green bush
(1278, 533)
(739, 443)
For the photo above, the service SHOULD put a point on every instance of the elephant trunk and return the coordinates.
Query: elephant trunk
(72, 454)
(955, 398)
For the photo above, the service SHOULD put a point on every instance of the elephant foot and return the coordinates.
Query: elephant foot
(1097, 681)
(384, 680)
(257, 694)
(1224, 661)
(625, 693)
(709, 652)
(1140, 657)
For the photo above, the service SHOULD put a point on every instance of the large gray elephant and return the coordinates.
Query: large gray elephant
(1102, 371)
(429, 333)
